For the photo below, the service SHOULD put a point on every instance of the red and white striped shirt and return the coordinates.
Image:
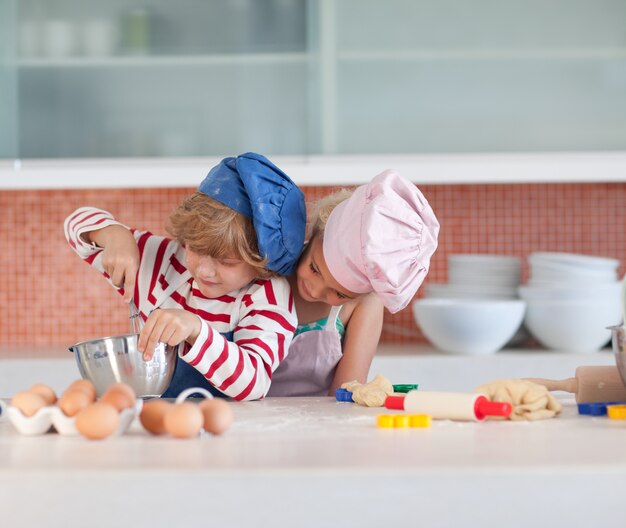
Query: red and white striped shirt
(261, 316)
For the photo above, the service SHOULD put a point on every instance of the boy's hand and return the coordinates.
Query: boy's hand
(120, 257)
(168, 325)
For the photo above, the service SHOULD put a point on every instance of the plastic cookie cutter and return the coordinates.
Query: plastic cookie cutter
(401, 421)
(343, 395)
(346, 395)
(596, 408)
(616, 412)
(405, 387)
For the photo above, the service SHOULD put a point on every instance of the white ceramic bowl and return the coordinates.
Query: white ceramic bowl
(609, 292)
(484, 260)
(555, 275)
(469, 291)
(572, 325)
(469, 326)
(574, 261)
(472, 277)
(499, 271)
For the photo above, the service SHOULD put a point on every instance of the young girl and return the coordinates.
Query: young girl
(367, 249)
(215, 286)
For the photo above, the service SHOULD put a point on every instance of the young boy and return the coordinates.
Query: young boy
(368, 249)
(214, 287)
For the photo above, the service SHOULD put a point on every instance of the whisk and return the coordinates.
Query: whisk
(136, 321)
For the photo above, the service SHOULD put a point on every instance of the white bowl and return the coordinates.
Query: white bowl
(484, 261)
(565, 283)
(572, 325)
(574, 261)
(557, 275)
(484, 278)
(470, 291)
(465, 326)
(609, 292)
(486, 270)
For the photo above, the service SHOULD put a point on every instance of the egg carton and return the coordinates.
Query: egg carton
(51, 417)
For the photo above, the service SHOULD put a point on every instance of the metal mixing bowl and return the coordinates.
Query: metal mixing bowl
(116, 359)
(618, 340)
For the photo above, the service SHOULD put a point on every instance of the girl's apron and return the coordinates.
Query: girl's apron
(310, 365)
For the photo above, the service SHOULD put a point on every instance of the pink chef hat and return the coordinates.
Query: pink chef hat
(381, 239)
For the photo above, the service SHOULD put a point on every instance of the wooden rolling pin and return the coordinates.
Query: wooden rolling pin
(590, 384)
(448, 405)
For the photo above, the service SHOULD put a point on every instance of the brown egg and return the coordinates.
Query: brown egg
(217, 414)
(183, 420)
(73, 401)
(86, 386)
(152, 416)
(28, 402)
(120, 399)
(123, 387)
(46, 392)
(97, 421)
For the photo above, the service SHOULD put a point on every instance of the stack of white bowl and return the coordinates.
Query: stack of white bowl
(571, 299)
(479, 277)
(477, 311)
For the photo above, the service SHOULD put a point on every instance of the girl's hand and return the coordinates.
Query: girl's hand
(171, 326)
(120, 257)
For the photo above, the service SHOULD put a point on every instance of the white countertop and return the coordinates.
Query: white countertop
(317, 462)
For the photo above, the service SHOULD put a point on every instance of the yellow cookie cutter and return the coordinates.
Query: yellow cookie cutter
(616, 412)
(400, 421)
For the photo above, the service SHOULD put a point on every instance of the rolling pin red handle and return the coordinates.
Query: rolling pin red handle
(395, 402)
(483, 408)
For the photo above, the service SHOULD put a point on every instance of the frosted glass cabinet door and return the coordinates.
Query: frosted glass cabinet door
(477, 76)
(160, 78)
(144, 78)
(8, 82)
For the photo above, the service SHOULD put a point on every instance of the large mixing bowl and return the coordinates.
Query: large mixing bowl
(116, 359)
(469, 326)
(618, 340)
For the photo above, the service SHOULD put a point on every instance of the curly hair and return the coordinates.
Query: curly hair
(210, 228)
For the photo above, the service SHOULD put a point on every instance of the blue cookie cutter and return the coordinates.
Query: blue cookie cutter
(595, 408)
(343, 395)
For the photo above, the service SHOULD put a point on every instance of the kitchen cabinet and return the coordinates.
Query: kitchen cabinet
(151, 79)
(154, 78)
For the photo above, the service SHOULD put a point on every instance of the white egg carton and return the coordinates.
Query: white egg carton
(51, 417)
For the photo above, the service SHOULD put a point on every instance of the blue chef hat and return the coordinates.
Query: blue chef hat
(253, 186)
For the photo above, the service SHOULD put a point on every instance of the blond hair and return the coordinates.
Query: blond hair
(322, 209)
(210, 228)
